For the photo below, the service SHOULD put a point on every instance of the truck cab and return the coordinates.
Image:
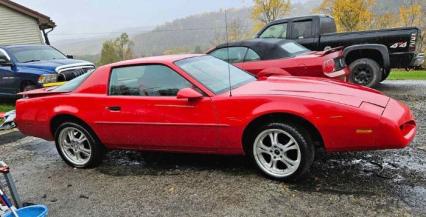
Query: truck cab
(370, 54)
(27, 67)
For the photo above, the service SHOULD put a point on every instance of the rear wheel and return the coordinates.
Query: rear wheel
(282, 151)
(365, 72)
(28, 87)
(77, 146)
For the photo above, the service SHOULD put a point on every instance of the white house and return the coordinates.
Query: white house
(21, 25)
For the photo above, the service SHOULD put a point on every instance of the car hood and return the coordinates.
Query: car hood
(317, 88)
(52, 65)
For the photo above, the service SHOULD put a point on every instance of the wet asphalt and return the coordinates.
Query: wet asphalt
(378, 183)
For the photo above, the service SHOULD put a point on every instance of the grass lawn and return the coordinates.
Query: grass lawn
(5, 107)
(410, 75)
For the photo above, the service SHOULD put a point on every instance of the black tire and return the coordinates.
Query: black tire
(97, 149)
(365, 72)
(304, 142)
(28, 87)
(385, 75)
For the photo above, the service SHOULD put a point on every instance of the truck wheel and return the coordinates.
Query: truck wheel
(386, 75)
(365, 72)
(28, 87)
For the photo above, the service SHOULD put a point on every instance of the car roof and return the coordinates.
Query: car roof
(266, 48)
(166, 59)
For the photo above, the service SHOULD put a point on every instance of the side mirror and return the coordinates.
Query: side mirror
(5, 62)
(70, 56)
(189, 94)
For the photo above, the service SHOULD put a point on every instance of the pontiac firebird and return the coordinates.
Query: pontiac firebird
(200, 104)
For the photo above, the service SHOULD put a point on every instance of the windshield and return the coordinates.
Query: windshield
(294, 48)
(214, 73)
(74, 83)
(26, 54)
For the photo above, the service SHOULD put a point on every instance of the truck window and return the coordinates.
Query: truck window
(275, 31)
(302, 29)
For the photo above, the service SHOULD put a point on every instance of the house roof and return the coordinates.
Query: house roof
(44, 21)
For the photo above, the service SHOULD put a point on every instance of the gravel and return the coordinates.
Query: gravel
(379, 183)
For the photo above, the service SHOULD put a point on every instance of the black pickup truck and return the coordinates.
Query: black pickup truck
(370, 54)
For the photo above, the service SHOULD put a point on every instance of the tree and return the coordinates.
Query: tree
(266, 11)
(116, 50)
(108, 53)
(410, 13)
(236, 31)
(350, 15)
(124, 47)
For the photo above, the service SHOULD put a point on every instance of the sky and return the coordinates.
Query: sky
(89, 18)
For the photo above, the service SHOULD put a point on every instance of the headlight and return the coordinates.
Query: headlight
(47, 78)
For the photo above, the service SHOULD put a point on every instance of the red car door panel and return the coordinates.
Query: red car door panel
(159, 123)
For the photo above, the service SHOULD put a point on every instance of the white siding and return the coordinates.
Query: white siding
(17, 28)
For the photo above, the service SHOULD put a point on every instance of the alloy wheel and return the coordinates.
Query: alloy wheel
(277, 153)
(75, 146)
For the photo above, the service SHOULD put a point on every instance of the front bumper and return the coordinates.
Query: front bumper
(54, 84)
(397, 127)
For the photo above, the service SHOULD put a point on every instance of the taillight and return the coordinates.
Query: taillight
(407, 127)
(329, 66)
(413, 39)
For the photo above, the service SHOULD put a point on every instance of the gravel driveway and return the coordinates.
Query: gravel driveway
(380, 183)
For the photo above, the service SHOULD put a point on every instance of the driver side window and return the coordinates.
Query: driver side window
(146, 80)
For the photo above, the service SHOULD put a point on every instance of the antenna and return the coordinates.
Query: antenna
(227, 53)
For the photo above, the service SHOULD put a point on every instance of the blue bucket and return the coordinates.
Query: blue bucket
(30, 211)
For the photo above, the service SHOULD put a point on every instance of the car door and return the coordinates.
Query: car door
(143, 112)
(7, 76)
(303, 33)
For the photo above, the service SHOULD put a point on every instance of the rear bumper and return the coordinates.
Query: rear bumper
(397, 127)
(418, 60)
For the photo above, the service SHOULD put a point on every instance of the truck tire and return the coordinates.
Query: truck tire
(365, 72)
(386, 75)
(28, 87)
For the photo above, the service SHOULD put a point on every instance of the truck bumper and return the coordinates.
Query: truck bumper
(53, 84)
(418, 60)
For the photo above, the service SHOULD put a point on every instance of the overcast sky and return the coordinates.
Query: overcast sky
(87, 18)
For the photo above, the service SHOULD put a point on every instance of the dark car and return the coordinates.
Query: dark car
(370, 54)
(26, 67)
(276, 56)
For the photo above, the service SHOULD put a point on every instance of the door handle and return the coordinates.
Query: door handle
(114, 108)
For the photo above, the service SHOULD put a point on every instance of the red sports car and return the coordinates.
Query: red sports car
(188, 103)
(277, 56)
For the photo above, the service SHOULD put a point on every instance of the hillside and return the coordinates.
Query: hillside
(197, 32)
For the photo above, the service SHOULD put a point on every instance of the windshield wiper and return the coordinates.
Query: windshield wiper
(30, 61)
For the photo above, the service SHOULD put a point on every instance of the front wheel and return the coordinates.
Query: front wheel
(77, 146)
(282, 151)
(365, 72)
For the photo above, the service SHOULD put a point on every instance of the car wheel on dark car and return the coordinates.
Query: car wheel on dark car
(365, 72)
(77, 146)
(282, 151)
